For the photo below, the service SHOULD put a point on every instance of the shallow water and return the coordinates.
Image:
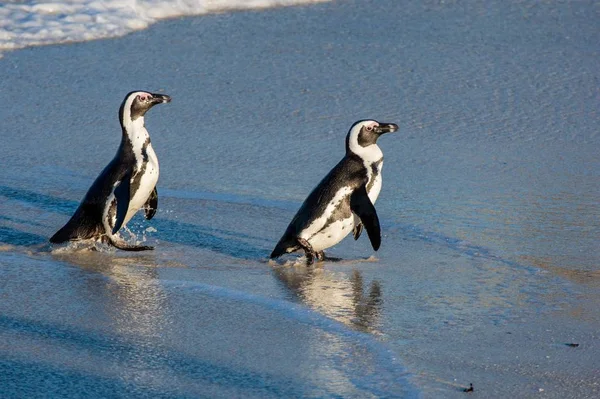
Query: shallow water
(489, 262)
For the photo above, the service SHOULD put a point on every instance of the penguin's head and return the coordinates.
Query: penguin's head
(365, 133)
(137, 103)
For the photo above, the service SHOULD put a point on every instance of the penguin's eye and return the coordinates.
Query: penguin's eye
(369, 128)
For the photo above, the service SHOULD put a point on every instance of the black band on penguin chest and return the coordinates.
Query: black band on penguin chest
(375, 168)
(141, 169)
(138, 161)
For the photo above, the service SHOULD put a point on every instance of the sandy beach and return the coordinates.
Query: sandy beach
(489, 268)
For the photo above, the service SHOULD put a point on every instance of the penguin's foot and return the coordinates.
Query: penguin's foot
(309, 251)
(136, 248)
(120, 244)
(330, 258)
(128, 247)
(321, 257)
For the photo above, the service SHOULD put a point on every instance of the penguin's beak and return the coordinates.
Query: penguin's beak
(160, 98)
(386, 128)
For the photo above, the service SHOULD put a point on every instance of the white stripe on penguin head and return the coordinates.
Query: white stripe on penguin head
(135, 129)
(371, 153)
(128, 102)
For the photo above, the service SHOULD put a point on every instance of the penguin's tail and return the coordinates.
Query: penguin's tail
(60, 236)
(79, 227)
(285, 245)
(67, 233)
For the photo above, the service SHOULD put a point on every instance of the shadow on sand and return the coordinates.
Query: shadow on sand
(26, 378)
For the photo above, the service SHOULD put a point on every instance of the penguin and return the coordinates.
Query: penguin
(126, 184)
(344, 200)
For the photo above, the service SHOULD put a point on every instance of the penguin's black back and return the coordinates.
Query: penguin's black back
(86, 222)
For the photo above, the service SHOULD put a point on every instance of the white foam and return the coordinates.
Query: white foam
(30, 23)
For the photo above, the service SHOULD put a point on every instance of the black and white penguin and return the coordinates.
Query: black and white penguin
(343, 200)
(126, 184)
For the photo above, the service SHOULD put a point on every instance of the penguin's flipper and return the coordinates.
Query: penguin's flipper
(357, 230)
(122, 194)
(362, 206)
(151, 204)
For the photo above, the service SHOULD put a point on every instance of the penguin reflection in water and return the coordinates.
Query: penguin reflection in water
(343, 200)
(126, 184)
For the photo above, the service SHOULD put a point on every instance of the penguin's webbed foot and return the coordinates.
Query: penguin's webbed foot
(129, 247)
(137, 248)
(330, 258)
(309, 251)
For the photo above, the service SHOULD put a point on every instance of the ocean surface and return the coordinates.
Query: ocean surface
(489, 268)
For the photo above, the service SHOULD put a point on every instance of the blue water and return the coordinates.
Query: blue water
(489, 261)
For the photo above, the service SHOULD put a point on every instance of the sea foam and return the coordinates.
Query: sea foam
(32, 23)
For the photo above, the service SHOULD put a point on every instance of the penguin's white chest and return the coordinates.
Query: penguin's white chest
(147, 174)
